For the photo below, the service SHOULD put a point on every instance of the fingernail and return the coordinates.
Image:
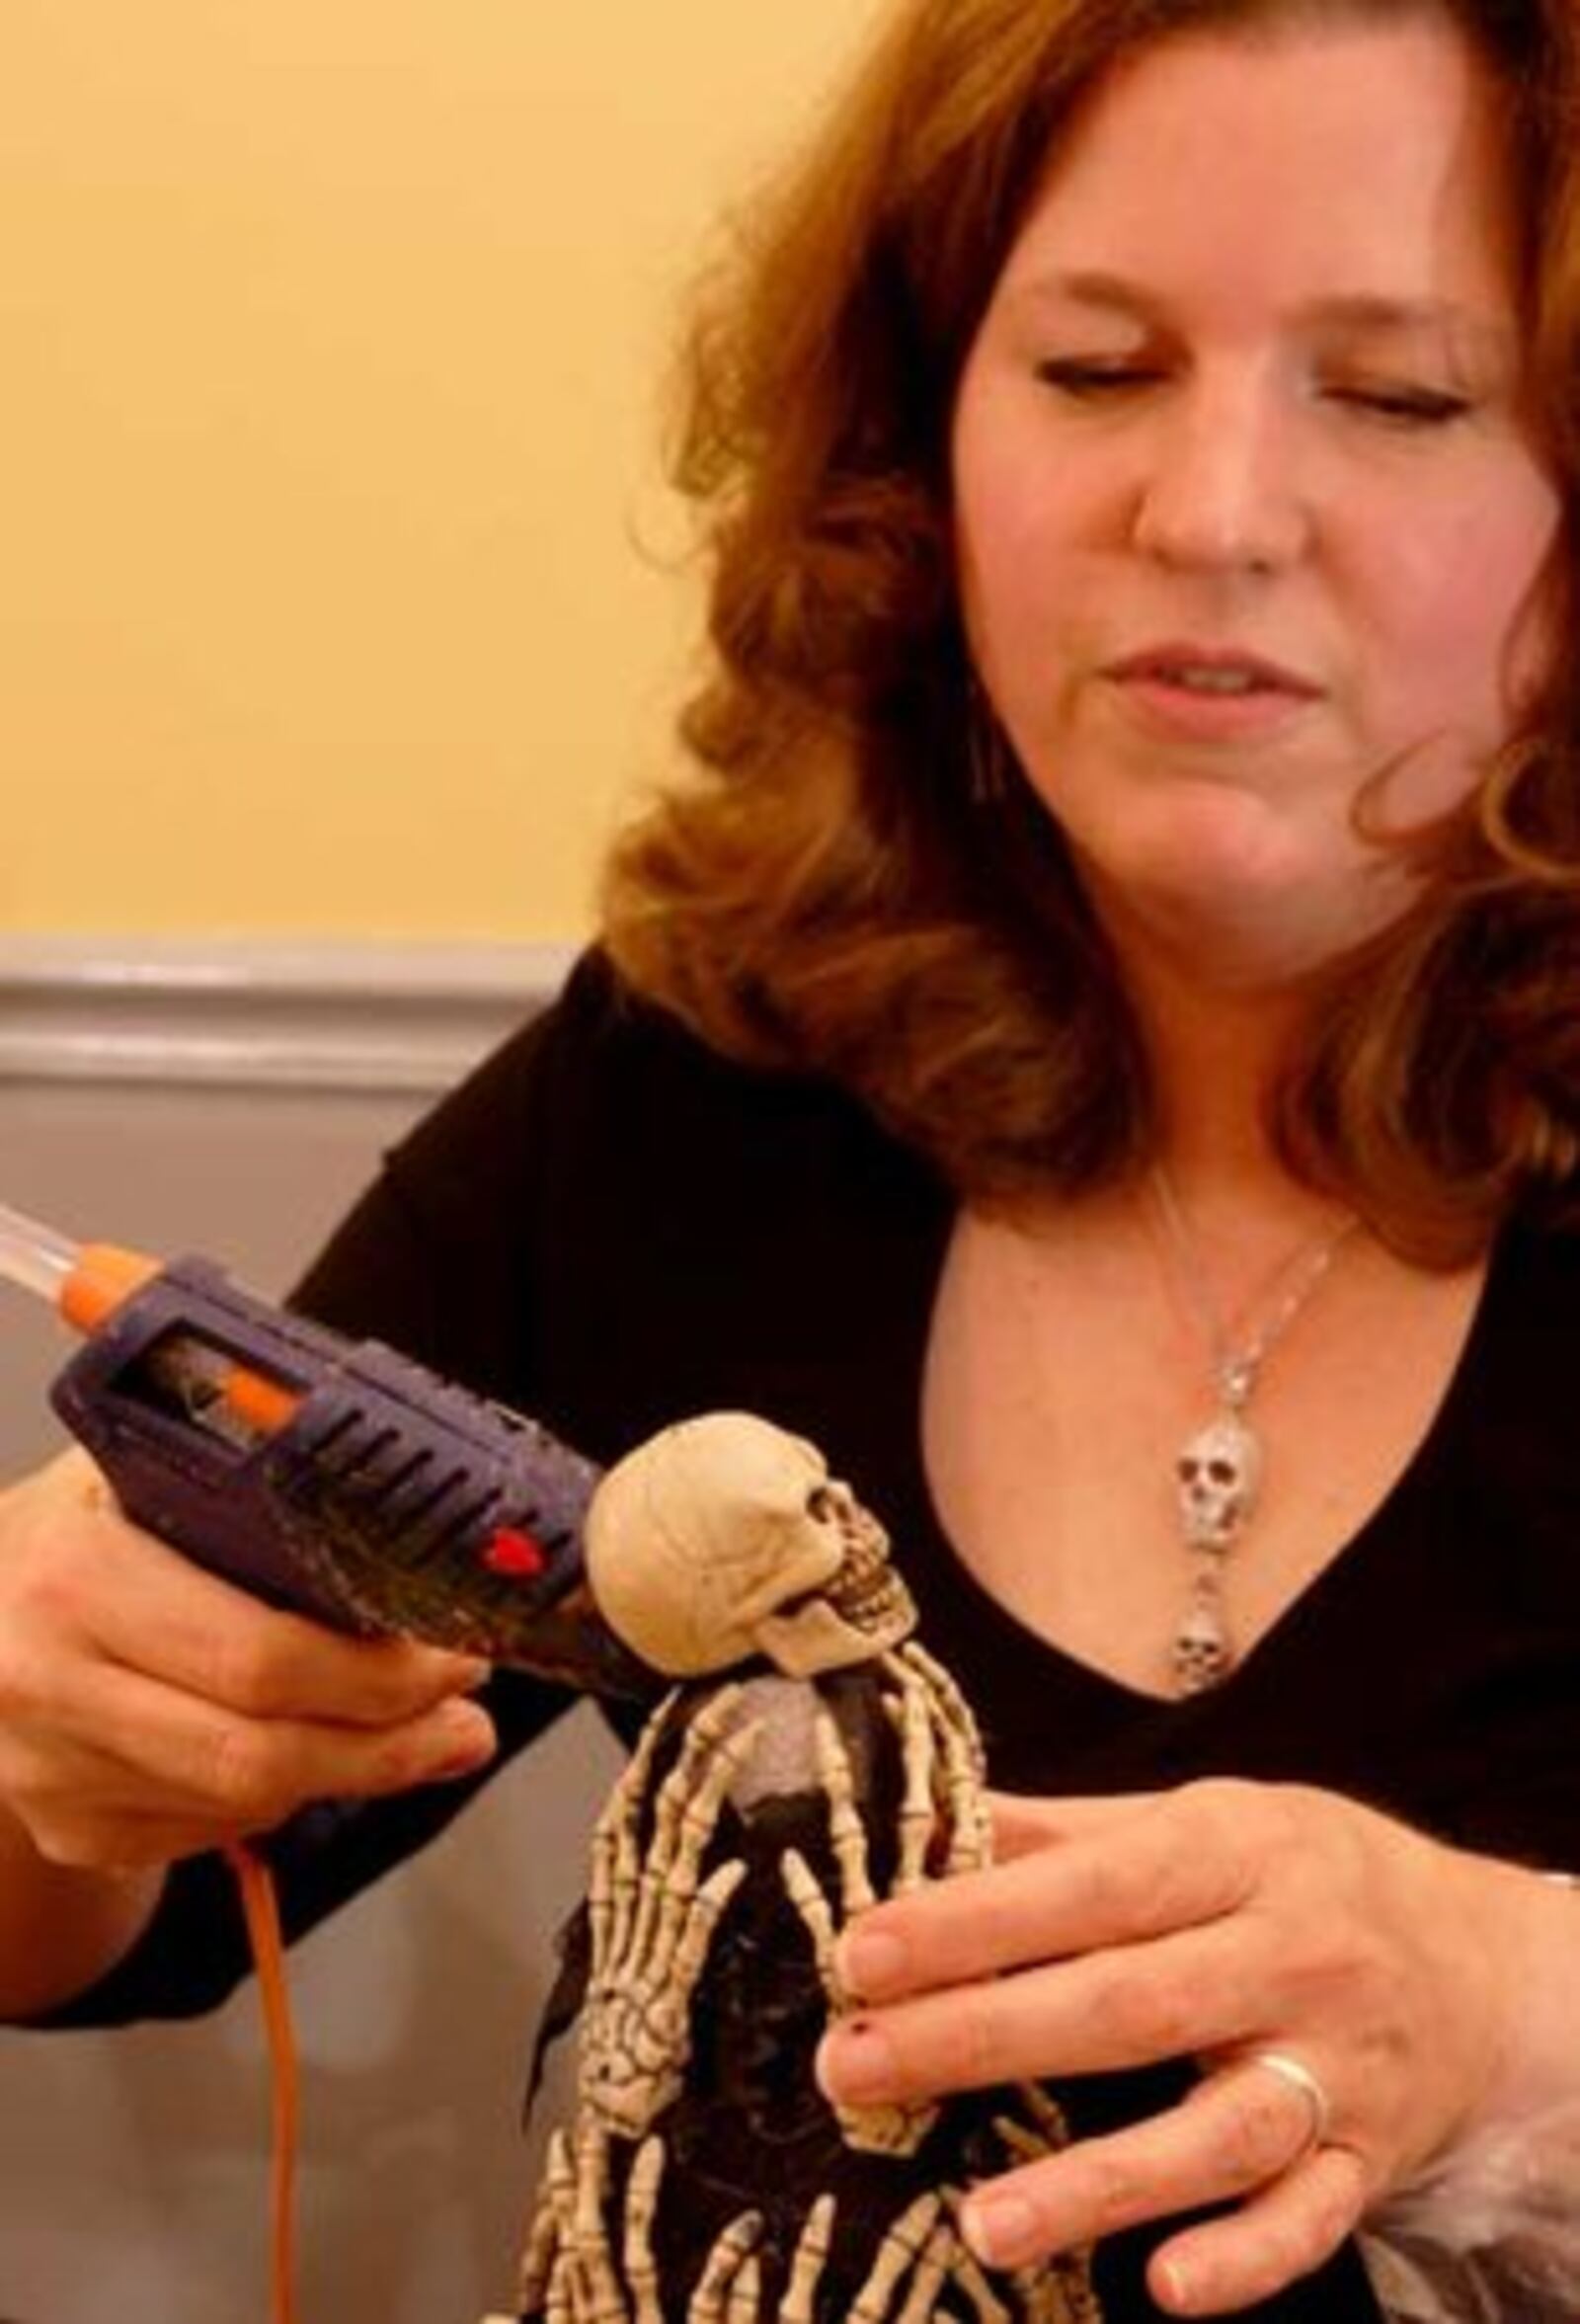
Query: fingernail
(870, 1963)
(855, 2062)
(1175, 2285)
(463, 1738)
(463, 1671)
(1000, 2230)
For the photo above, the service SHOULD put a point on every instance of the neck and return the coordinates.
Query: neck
(1216, 1059)
(1218, 1019)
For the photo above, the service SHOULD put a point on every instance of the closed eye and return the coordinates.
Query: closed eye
(1405, 407)
(1079, 378)
(1082, 378)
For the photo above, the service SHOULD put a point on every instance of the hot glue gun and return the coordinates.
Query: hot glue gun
(335, 1477)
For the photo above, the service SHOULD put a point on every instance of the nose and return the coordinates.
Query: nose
(1221, 491)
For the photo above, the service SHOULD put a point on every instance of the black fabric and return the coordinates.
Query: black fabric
(612, 1228)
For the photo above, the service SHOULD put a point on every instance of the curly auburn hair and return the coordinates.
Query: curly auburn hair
(834, 889)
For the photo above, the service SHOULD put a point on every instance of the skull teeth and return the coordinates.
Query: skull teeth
(873, 1601)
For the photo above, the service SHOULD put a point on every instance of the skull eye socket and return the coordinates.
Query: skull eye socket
(821, 1503)
(1221, 1472)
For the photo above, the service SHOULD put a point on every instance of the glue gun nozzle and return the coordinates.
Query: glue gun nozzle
(86, 1282)
(104, 1275)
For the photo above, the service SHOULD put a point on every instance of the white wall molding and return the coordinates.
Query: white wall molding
(256, 1013)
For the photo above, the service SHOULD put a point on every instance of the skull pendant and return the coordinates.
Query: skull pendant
(1201, 1656)
(1217, 1475)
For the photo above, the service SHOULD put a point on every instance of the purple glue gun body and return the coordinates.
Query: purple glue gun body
(387, 1501)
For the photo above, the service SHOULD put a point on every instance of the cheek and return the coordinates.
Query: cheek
(1017, 563)
(1463, 606)
(992, 535)
(1015, 529)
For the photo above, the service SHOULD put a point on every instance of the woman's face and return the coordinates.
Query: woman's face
(1246, 509)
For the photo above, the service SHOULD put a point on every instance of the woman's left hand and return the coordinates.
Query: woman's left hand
(1346, 1986)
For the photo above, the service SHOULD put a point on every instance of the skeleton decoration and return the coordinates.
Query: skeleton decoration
(705, 2179)
(725, 1538)
(1219, 1473)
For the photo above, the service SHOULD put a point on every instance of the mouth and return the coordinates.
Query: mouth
(1214, 674)
(1211, 697)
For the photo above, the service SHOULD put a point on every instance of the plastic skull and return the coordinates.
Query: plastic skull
(724, 1537)
(1218, 1473)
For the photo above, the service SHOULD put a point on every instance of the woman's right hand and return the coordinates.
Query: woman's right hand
(149, 1710)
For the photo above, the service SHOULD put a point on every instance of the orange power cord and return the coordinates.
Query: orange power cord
(262, 1911)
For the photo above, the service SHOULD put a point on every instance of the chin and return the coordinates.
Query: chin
(1238, 925)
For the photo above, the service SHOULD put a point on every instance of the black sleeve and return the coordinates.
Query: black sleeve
(436, 1259)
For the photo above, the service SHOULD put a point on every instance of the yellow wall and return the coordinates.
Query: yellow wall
(330, 332)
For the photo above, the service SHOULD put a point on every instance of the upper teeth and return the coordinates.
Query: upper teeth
(1214, 682)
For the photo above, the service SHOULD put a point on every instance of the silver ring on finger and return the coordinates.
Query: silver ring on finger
(1300, 2077)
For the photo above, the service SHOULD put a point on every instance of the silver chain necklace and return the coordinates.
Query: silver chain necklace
(1219, 1469)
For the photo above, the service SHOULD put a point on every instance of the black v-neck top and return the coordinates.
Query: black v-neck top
(611, 1227)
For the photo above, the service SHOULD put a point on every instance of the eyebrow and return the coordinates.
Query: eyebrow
(1355, 310)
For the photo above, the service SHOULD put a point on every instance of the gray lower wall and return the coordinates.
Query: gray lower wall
(232, 1100)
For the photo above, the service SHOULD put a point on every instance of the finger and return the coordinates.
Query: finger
(1167, 1865)
(1135, 2005)
(151, 1608)
(141, 1747)
(1284, 2232)
(81, 1574)
(1022, 1824)
(1236, 2132)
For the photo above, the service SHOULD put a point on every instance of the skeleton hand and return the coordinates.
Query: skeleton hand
(651, 1922)
(569, 2273)
(920, 2259)
(938, 1751)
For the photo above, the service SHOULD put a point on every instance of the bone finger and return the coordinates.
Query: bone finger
(669, 1808)
(707, 1910)
(559, 2308)
(705, 1735)
(1024, 2146)
(537, 2259)
(596, 2279)
(807, 1897)
(614, 1848)
(700, 1814)
(745, 2294)
(969, 1827)
(560, 2179)
(668, 1929)
(986, 2304)
(956, 1741)
(932, 2273)
(591, 2153)
(730, 2247)
(957, 1712)
(687, 1818)
(670, 1924)
(811, 2257)
(917, 1815)
(1045, 2111)
(898, 2250)
(845, 1834)
(641, 2208)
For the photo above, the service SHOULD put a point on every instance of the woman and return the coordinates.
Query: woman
(1091, 1052)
